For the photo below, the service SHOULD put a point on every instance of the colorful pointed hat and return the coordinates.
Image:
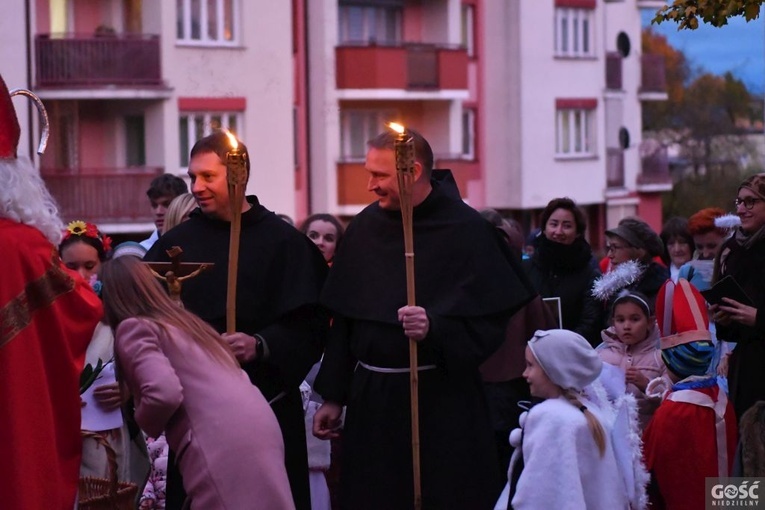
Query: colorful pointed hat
(686, 343)
(682, 314)
(10, 131)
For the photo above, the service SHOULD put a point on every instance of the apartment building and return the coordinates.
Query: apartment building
(525, 100)
(130, 85)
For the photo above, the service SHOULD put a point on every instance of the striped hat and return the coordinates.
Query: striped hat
(686, 343)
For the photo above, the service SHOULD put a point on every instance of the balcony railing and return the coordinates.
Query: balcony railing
(654, 75)
(614, 167)
(613, 71)
(102, 195)
(654, 166)
(411, 66)
(96, 60)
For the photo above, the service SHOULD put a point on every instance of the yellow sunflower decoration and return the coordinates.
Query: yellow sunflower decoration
(77, 227)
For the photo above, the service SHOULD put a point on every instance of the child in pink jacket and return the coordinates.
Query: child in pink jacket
(631, 343)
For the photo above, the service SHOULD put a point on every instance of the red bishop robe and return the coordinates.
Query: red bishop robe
(680, 448)
(47, 317)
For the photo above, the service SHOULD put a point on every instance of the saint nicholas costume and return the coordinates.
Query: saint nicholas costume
(469, 283)
(47, 316)
(693, 433)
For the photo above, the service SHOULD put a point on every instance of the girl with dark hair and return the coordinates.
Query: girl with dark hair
(631, 344)
(84, 248)
(561, 267)
(186, 381)
(325, 231)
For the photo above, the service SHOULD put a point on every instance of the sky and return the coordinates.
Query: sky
(738, 47)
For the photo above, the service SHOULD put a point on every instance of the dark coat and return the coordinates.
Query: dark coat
(565, 271)
(747, 363)
(470, 284)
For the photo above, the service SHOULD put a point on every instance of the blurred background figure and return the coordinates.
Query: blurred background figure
(707, 239)
(162, 190)
(562, 266)
(502, 372)
(325, 231)
(287, 218)
(48, 316)
(179, 210)
(678, 245)
(510, 229)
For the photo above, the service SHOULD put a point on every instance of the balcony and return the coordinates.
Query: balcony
(91, 61)
(613, 71)
(614, 167)
(102, 195)
(411, 66)
(653, 84)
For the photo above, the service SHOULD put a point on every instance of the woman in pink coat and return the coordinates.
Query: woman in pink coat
(186, 381)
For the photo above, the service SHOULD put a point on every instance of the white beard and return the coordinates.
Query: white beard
(25, 199)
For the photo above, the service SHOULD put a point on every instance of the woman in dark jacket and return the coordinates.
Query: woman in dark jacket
(743, 257)
(632, 248)
(562, 267)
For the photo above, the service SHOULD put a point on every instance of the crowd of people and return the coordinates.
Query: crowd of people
(626, 395)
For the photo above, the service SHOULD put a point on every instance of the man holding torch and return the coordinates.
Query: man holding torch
(278, 330)
(468, 284)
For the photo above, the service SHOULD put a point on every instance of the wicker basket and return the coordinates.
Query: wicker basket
(106, 494)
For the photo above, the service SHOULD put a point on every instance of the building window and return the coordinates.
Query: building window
(573, 32)
(193, 126)
(135, 144)
(468, 134)
(575, 131)
(369, 25)
(468, 37)
(359, 126)
(208, 22)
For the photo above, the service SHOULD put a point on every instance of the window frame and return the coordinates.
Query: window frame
(370, 25)
(574, 33)
(184, 22)
(468, 121)
(191, 136)
(575, 139)
(373, 120)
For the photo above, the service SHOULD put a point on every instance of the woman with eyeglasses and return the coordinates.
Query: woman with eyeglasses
(742, 256)
(632, 248)
(562, 267)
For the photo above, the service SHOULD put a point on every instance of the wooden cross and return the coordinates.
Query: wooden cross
(175, 272)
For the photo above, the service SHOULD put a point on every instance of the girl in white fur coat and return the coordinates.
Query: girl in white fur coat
(567, 458)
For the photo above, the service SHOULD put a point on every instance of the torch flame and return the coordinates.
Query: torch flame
(231, 138)
(398, 128)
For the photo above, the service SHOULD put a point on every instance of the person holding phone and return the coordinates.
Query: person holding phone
(741, 257)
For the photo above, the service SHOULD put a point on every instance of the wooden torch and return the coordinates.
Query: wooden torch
(405, 159)
(236, 174)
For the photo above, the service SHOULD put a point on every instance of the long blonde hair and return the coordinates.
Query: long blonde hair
(598, 434)
(180, 206)
(130, 290)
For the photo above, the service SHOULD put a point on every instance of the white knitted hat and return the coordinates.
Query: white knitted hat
(566, 357)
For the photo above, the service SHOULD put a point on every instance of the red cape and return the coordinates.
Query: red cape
(47, 317)
(680, 448)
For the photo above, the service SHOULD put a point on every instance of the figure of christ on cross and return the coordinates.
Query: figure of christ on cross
(175, 272)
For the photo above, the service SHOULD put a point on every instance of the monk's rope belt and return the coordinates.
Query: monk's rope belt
(384, 370)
